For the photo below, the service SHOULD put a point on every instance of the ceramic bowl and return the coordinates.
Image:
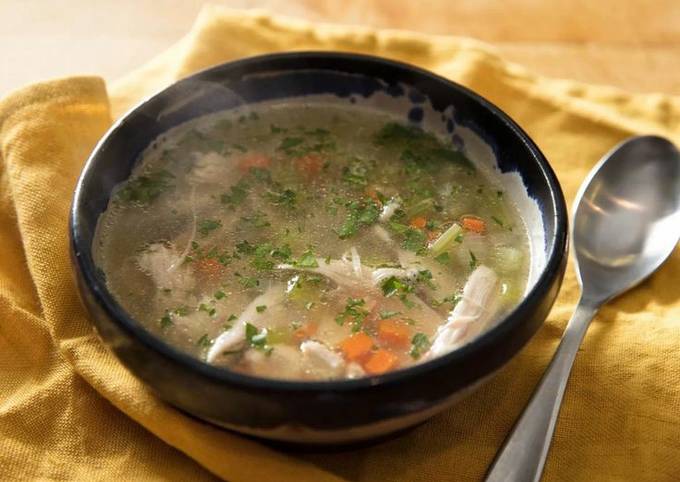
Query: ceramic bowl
(326, 411)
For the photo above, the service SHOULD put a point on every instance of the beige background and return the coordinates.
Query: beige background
(631, 44)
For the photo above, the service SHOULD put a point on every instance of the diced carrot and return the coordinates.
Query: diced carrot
(208, 268)
(373, 194)
(356, 346)
(418, 222)
(254, 160)
(474, 224)
(306, 331)
(393, 332)
(310, 165)
(380, 361)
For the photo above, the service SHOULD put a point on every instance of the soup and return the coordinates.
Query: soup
(311, 242)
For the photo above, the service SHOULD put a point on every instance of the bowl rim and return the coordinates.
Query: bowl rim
(82, 253)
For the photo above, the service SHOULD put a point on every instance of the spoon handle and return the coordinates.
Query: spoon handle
(524, 452)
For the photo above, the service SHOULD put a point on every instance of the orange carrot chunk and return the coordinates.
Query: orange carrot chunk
(392, 332)
(254, 160)
(418, 222)
(474, 224)
(306, 331)
(209, 268)
(373, 194)
(310, 165)
(356, 346)
(380, 362)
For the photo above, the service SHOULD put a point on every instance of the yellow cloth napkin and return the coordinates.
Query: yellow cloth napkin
(69, 410)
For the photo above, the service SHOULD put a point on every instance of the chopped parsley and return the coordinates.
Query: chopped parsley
(419, 344)
(219, 295)
(307, 260)
(262, 257)
(166, 321)
(204, 341)
(285, 197)
(414, 240)
(443, 258)
(236, 195)
(208, 225)
(420, 148)
(288, 143)
(388, 314)
(260, 308)
(208, 309)
(356, 172)
(257, 338)
(355, 313)
(473, 260)
(257, 220)
(244, 247)
(497, 221)
(146, 188)
(232, 317)
(247, 281)
(394, 286)
(454, 299)
(359, 213)
(282, 253)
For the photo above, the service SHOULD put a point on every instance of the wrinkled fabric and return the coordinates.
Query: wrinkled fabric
(69, 410)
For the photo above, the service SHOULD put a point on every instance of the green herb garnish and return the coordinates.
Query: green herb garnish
(414, 240)
(285, 197)
(204, 341)
(166, 321)
(354, 312)
(307, 260)
(257, 220)
(146, 188)
(260, 308)
(359, 213)
(419, 344)
(208, 309)
(257, 338)
(443, 258)
(388, 314)
(473, 260)
(236, 195)
(207, 225)
(454, 299)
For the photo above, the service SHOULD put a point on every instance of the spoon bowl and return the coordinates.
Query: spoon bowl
(626, 224)
(627, 216)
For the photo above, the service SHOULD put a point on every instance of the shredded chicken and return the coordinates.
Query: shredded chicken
(381, 274)
(318, 357)
(354, 370)
(210, 167)
(470, 315)
(339, 271)
(164, 266)
(235, 337)
(389, 209)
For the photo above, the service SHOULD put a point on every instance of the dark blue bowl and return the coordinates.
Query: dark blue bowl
(334, 411)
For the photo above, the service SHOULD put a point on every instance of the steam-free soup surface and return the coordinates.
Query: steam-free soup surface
(311, 242)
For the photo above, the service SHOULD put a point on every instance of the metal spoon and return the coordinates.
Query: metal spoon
(626, 223)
